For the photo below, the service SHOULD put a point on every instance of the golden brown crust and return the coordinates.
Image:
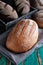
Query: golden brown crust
(23, 36)
(7, 12)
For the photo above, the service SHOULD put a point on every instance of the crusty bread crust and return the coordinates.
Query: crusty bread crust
(23, 6)
(23, 36)
(37, 3)
(7, 12)
(38, 17)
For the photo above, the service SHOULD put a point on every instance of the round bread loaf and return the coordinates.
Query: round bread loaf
(23, 6)
(7, 13)
(38, 17)
(23, 36)
(37, 3)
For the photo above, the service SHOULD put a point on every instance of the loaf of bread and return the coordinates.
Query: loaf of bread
(23, 6)
(23, 36)
(37, 3)
(7, 13)
(10, 2)
(38, 17)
